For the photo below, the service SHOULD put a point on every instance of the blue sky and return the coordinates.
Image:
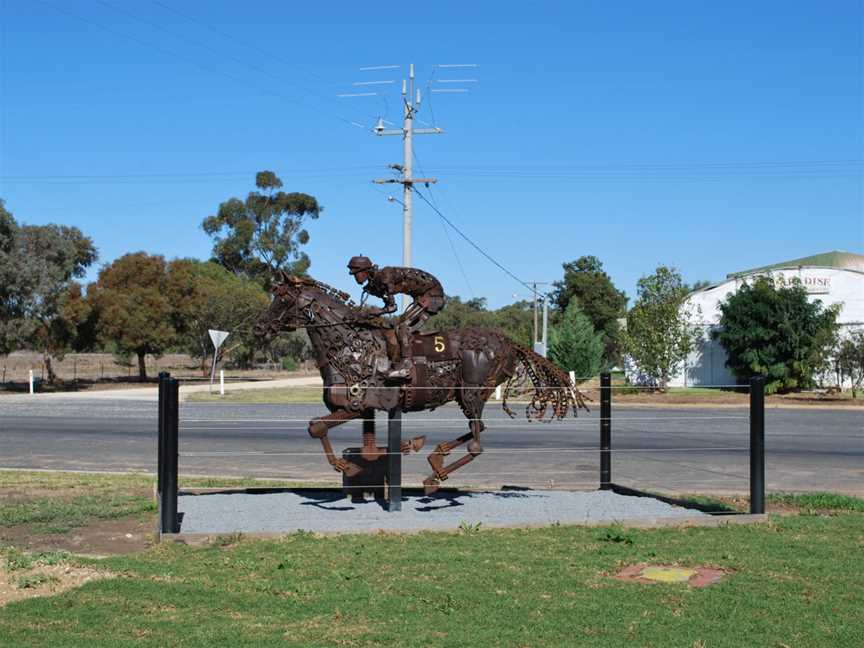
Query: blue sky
(709, 136)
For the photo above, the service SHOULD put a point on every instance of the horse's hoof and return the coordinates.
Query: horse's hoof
(414, 445)
(430, 485)
(436, 460)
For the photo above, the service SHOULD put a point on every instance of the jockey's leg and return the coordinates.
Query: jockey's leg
(408, 324)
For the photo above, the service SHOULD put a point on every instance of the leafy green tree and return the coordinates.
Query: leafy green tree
(514, 320)
(133, 302)
(459, 314)
(574, 345)
(38, 265)
(585, 280)
(264, 232)
(51, 257)
(207, 296)
(850, 360)
(11, 288)
(777, 332)
(659, 336)
(289, 349)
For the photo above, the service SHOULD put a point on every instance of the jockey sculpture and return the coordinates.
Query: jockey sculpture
(422, 287)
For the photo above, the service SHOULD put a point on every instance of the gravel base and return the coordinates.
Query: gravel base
(329, 511)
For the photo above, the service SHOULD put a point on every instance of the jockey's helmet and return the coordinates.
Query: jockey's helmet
(359, 264)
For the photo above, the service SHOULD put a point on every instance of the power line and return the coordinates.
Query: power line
(473, 244)
(658, 179)
(186, 176)
(447, 234)
(667, 165)
(234, 38)
(249, 45)
(212, 50)
(173, 53)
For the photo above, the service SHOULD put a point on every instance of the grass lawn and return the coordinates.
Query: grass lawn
(56, 502)
(625, 395)
(794, 581)
(275, 395)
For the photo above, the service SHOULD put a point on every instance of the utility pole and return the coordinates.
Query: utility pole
(540, 344)
(411, 99)
(534, 290)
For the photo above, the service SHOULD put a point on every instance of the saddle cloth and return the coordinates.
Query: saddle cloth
(435, 347)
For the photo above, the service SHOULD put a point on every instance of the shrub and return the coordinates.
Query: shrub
(776, 332)
(574, 345)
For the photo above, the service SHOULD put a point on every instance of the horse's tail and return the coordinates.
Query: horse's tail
(551, 387)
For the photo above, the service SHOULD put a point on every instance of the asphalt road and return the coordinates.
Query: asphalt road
(672, 450)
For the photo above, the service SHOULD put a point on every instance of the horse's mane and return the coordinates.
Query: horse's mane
(340, 296)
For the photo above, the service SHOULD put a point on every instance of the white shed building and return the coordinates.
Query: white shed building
(832, 278)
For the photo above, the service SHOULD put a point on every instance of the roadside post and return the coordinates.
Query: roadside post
(31, 381)
(605, 431)
(217, 337)
(757, 444)
(394, 460)
(166, 479)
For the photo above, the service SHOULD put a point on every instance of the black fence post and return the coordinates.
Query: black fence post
(160, 451)
(605, 431)
(394, 460)
(757, 444)
(169, 418)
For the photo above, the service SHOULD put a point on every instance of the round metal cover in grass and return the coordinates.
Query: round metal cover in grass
(695, 576)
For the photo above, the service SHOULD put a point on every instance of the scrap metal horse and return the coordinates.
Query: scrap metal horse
(355, 349)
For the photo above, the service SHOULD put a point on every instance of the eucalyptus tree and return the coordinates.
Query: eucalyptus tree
(264, 232)
(134, 306)
(39, 297)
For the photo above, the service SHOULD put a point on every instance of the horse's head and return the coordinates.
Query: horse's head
(285, 311)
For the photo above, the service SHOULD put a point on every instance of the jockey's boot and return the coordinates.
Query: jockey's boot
(401, 371)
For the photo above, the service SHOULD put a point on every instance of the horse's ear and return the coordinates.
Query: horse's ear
(279, 278)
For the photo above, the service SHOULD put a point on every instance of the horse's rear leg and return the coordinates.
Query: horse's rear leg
(318, 428)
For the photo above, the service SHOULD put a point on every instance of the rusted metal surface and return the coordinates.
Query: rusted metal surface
(365, 368)
(694, 577)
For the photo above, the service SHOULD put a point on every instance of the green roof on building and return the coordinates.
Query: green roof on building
(836, 259)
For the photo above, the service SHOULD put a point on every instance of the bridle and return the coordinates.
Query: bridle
(281, 323)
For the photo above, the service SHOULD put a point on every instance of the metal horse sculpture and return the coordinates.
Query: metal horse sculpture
(354, 351)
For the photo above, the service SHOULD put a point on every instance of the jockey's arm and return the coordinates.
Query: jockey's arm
(389, 305)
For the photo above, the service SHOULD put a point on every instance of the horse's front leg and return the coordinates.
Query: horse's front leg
(318, 429)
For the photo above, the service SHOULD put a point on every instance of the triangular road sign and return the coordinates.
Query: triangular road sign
(218, 337)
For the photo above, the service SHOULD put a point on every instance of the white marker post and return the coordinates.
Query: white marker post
(498, 392)
(221, 382)
(573, 377)
(31, 381)
(218, 337)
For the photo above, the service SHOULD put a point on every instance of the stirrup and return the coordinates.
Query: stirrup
(399, 375)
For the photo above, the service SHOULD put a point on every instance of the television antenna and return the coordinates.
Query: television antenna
(411, 101)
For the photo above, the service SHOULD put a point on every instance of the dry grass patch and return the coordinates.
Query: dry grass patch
(43, 580)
